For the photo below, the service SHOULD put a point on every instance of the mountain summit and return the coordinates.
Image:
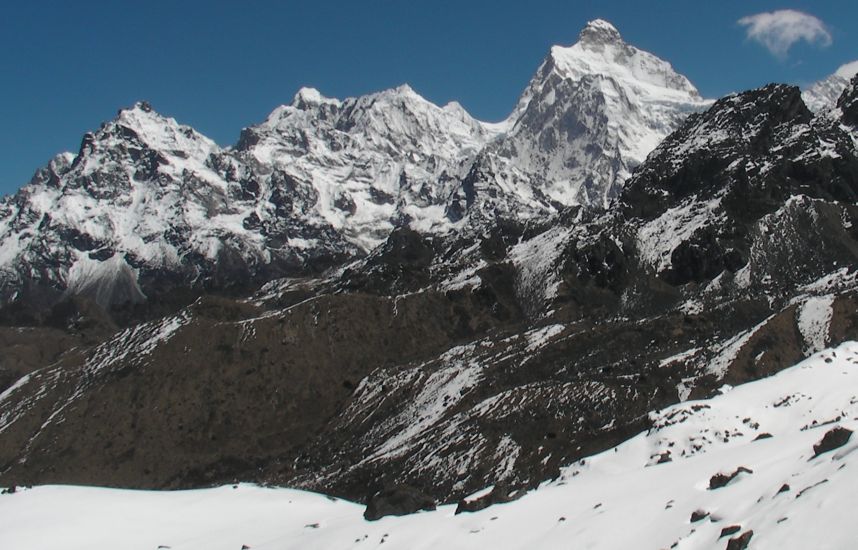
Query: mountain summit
(824, 94)
(590, 115)
(599, 31)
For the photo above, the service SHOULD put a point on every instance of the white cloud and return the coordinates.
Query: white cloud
(779, 30)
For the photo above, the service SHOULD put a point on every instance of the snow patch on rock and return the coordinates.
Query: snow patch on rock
(814, 320)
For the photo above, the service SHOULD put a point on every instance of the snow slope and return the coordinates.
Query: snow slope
(641, 494)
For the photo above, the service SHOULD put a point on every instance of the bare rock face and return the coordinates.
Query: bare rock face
(848, 102)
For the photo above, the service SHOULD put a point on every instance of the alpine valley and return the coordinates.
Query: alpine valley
(393, 303)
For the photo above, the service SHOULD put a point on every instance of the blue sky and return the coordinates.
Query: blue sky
(221, 65)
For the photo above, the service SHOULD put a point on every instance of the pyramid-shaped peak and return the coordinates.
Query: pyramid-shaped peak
(599, 31)
(405, 89)
(601, 51)
(154, 129)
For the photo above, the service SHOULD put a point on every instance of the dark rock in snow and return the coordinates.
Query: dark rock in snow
(729, 530)
(741, 542)
(721, 480)
(698, 515)
(833, 439)
(498, 495)
(397, 501)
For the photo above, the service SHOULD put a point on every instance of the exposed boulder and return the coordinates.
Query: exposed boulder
(498, 495)
(741, 542)
(397, 501)
(722, 480)
(833, 439)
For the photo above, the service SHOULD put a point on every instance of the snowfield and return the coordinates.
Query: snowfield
(660, 489)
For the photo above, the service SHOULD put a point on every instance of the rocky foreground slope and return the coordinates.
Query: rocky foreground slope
(767, 465)
(500, 329)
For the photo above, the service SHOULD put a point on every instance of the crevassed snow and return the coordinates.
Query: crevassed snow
(640, 494)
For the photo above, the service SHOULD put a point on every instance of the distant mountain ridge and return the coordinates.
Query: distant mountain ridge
(322, 179)
(824, 94)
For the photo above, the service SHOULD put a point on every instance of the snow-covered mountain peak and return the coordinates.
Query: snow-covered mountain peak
(601, 51)
(847, 70)
(599, 31)
(367, 164)
(406, 89)
(824, 94)
(591, 113)
(310, 108)
(150, 129)
(139, 114)
(307, 98)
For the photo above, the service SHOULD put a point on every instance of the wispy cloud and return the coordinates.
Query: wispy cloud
(779, 30)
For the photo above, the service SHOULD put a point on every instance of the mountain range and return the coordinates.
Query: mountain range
(320, 181)
(380, 294)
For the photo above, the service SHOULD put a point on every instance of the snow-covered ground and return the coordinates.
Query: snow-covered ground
(641, 494)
